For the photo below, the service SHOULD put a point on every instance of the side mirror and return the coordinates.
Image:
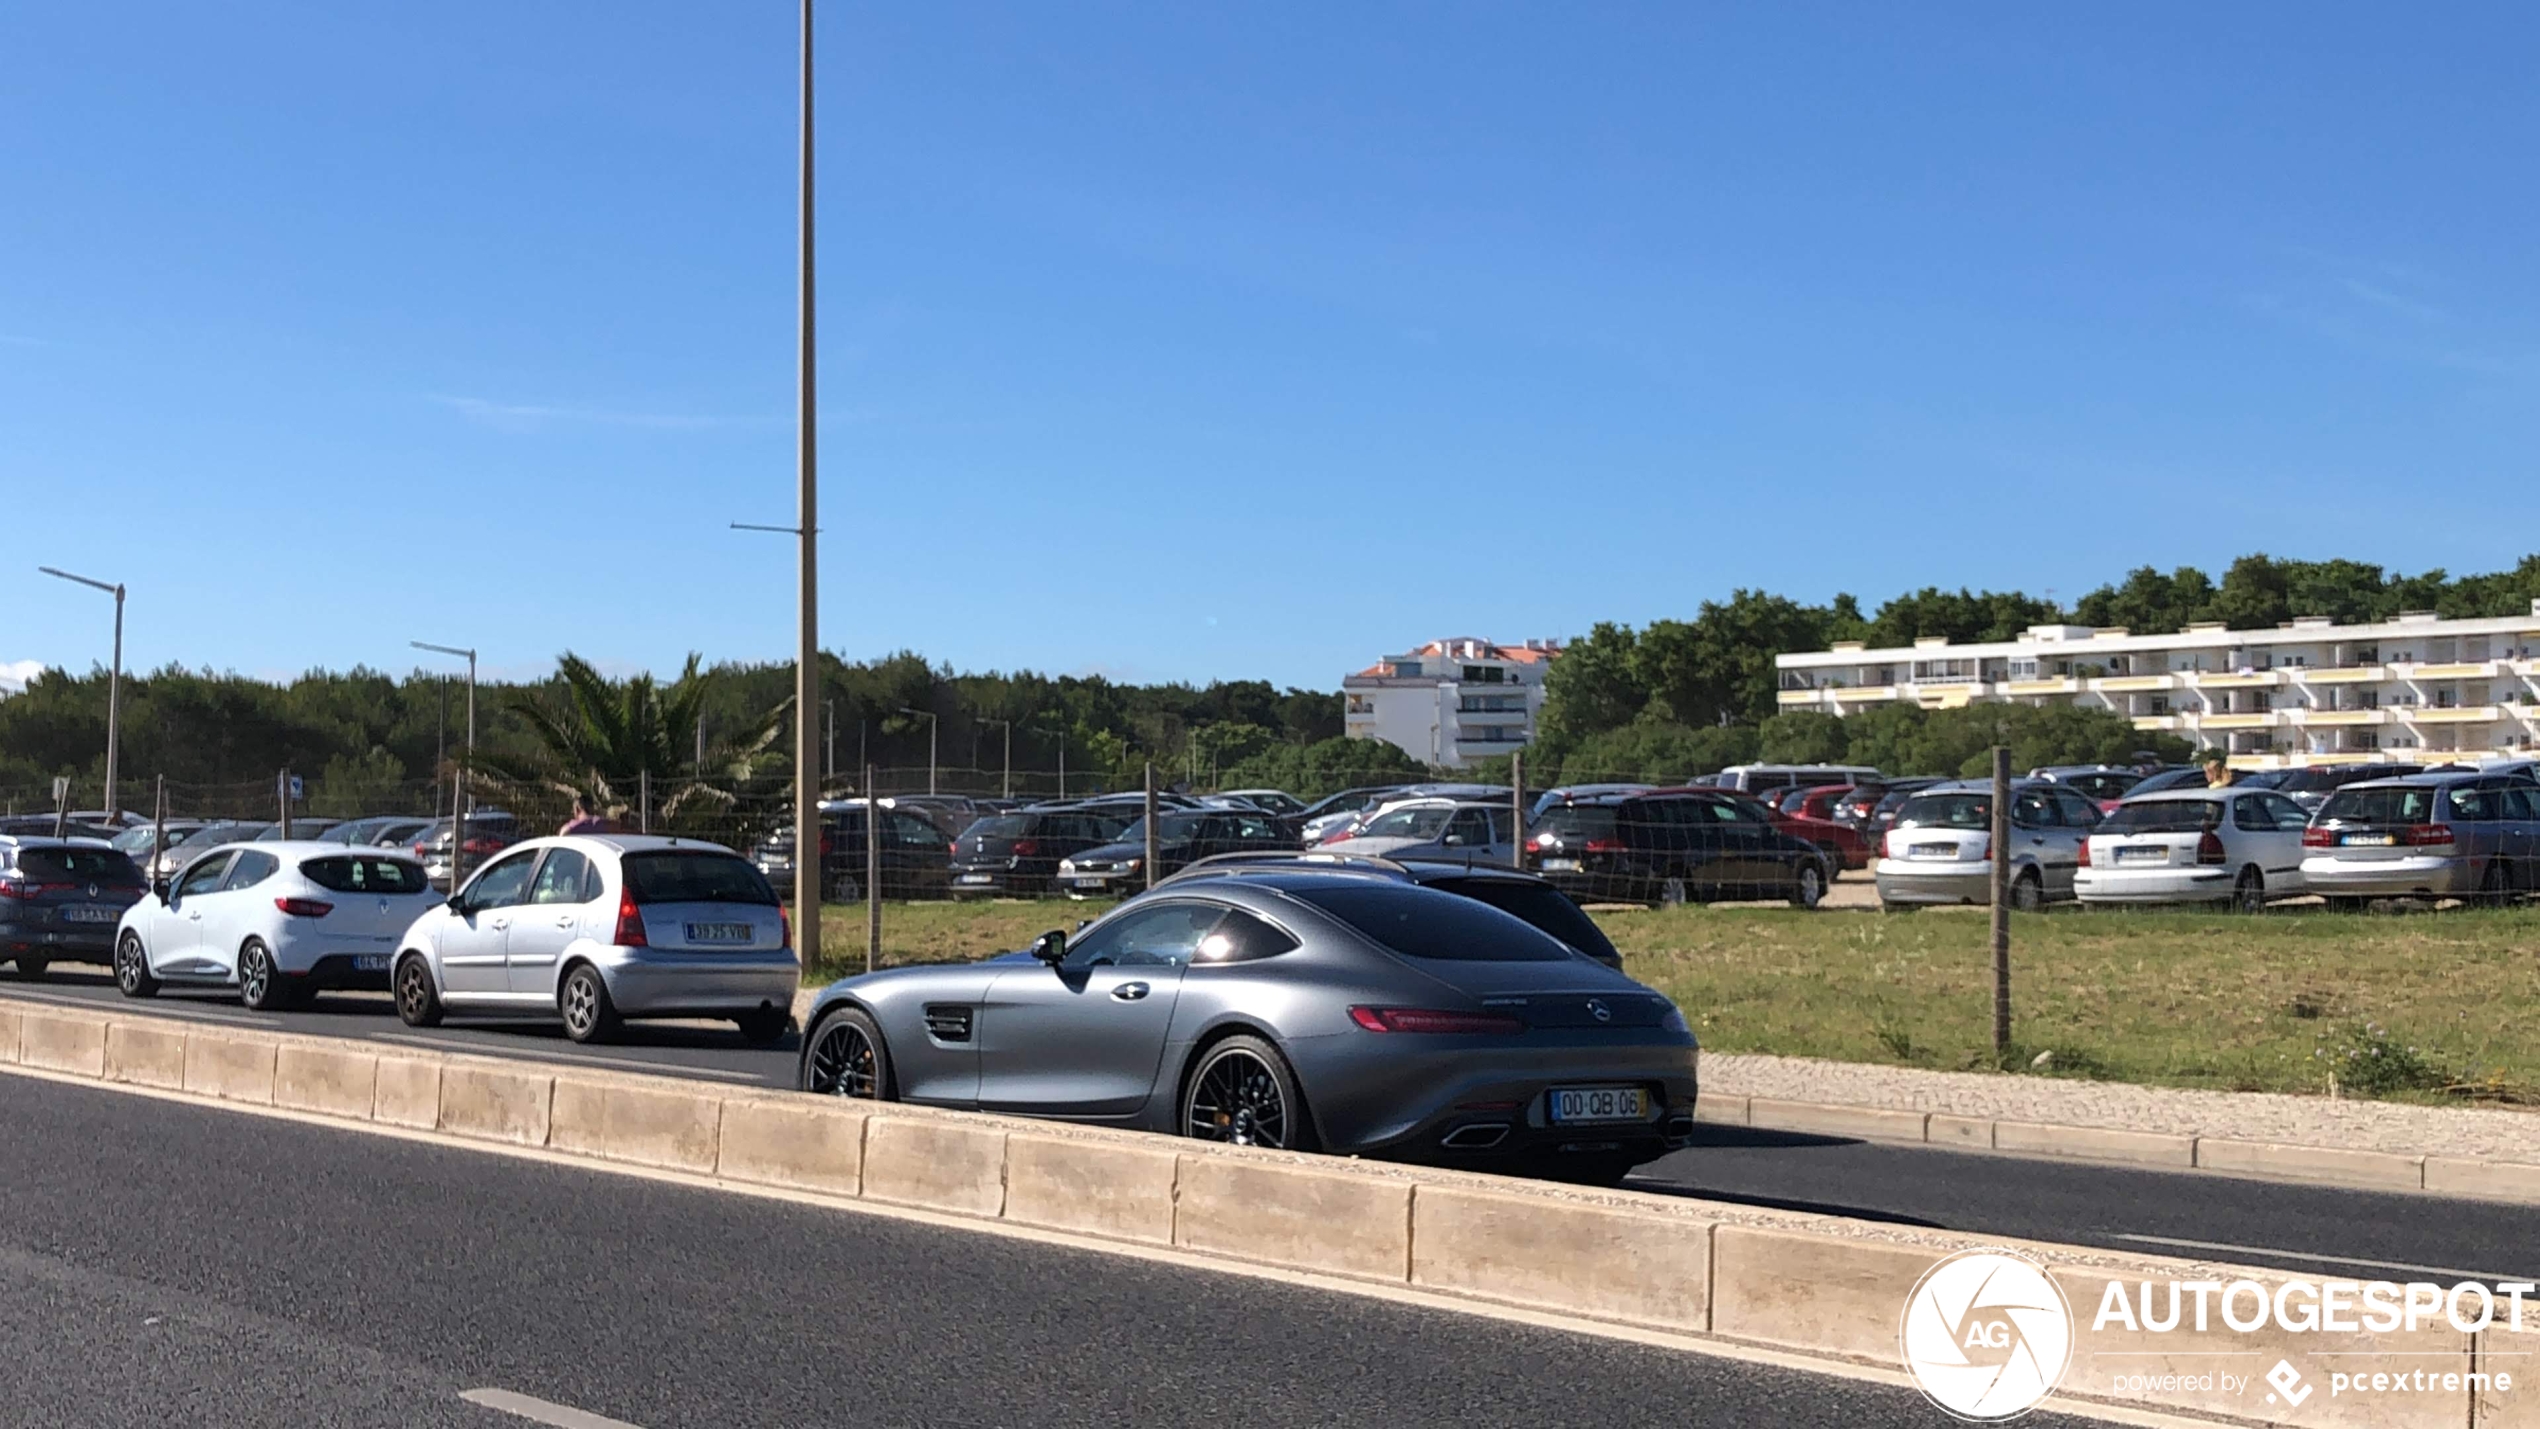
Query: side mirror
(1050, 947)
(457, 906)
(160, 888)
(1453, 841)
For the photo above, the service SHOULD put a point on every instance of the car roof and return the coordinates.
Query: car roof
(2430, 779)
(2193, 793)
(48, 841)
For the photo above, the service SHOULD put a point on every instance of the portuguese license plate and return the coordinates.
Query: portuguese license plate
(1934, 851)
(1572, 1106)
(2368, 840)
(2143, 855)
(370, 962)
(976, 878)
(1085, 885)
(91, 913)
(1560, 865)
(720, 932)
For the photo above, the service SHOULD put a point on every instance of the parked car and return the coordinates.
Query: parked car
(950, 812)
(1335, 832)
(1276, 801)
(278, 921)
(916, 853)
(2230, 845)
(596, 929)
(1438, 828)
(2311, 786)
(1019, 853)
(43, 826)
(489, 832)
(1807, 814)
(1183, 837)
(1550, 797)
(1332, 810)
(2181, 776)
(1521, 895)
(1941, 848)
(302, 830)
(1860, 807)
(2102, 784)
(1759, 778)
(141, 844)
(1673, 846)
(377, 830)
(1324, 1010)
(202, 839)
(61, 898)
(2425, 836)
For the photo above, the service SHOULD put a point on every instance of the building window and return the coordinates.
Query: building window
(1484, 675)
(1404, 669)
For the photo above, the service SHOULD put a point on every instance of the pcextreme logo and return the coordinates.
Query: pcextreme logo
(1987, 1334)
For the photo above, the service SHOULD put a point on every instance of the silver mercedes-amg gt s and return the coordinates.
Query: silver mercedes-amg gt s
(1315, 1010)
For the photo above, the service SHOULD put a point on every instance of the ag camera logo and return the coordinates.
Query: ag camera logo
(1987, 1334)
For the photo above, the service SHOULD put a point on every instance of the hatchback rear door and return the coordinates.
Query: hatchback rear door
(698, 901)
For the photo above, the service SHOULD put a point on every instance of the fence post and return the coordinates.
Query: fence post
(644, 807)
(1517, 809)
(2001, 899)
(158, 839)
(282, 793)
(872, 867)
(1150, 824)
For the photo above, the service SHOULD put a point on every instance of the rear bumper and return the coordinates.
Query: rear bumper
(995, 878)
(2435, 877)
(1477, 1105)
(646, 982)
(342, 972)
(75, 942)
(1600, 885)
(2153, 885)
(1907, 880)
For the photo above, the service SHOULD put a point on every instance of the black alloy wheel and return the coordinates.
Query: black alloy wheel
(2249, 894)
(845, 1057)
(1242, 1094)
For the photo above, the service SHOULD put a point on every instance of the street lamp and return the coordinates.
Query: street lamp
(933, 726)
(1058, 730)
(114, 683)
(462, 798)
(1006, 791)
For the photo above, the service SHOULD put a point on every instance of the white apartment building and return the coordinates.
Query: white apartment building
(2417, 688)
(1451, 702)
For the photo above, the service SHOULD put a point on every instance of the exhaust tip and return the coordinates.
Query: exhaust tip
(1476, 1138)
(1679, 1128)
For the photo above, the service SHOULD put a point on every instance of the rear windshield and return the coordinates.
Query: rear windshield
(679, 876)
(1423, 923)
(2102, 786)
(359, 873)
(999, 828)
(79, 865)
(1581, 821)
(2408, 805)
(1947, 811)
(1174, 826)
(2163, 816)
(1408, 824)
(1544, 907)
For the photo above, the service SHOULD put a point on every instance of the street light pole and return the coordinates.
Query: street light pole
(114, 683)
(462, 792)
(1006, 790)
(934, 726)
(807, 829)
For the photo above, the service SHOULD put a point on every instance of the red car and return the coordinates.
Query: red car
(1809, 814)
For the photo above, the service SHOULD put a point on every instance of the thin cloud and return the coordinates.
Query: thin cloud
(524, 416)
(2384, 298)
(15, 673)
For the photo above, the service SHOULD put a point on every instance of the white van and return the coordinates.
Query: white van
(1763, 778)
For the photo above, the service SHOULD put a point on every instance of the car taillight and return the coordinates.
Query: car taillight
(303, 907)
(481, 845)
(2085, 853)
(1603, 846)
(1534, 845)
(2209, 848)
(2318, 838)
(2420, 835)
(1026, 848)
(1432, 1019)
(630, 924)
(784, 926)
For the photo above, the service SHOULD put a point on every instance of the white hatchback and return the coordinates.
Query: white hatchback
(276, 921)
(592, 929)
(2242, 847)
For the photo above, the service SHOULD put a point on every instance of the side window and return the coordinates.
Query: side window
(251, 869)
(504, 882)
(2033, 810)
(2520, 806)
(2079, 812)
(561, 878)
(1253, 829)
(1242, 938)
(1469, 828)
(1166, 935)
(910, 831)
(2251, 814)
(592, 887)
(203, 877)
(2473, 806)
(2289, 816)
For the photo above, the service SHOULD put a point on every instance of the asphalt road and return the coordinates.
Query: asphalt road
(169, 1263)
(2295, 1227)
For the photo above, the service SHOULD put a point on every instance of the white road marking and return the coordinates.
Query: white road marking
(563, 1416)
(542, 1054)
(2321, 1259)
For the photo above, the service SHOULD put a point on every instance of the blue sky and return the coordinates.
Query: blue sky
(1232, 341)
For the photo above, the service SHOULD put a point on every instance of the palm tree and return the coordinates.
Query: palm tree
(610, 736)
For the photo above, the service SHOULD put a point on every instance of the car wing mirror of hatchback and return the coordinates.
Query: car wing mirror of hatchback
(1050, 947)
(161, 889)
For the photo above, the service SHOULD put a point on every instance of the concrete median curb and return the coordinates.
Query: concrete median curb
(2159, 1150)
(1747, 1279)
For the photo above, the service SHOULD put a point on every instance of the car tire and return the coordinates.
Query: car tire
(2028, 894)
(261, 987)
(2249, 892)
(1807, 886)
(418, 1000)
(32, 969)
(1240, 1091)
(845, 1056)
(846, 888)
(582, 1000)
(765, 1027)
(132, 968)
(2496, 886)
(1672, 892)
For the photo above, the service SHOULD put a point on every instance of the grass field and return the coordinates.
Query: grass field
(2273, 1003)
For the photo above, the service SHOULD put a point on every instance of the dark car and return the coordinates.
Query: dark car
(1861, 807)
(60, 900)
(1019, 853)
(1521, 895)
(2311, 786)
(916, 857)
(2185, 776)
(489, 832)
(1673, 846)
(1183, 837)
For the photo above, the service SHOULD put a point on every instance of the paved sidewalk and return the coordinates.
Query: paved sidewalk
(2483, 1133)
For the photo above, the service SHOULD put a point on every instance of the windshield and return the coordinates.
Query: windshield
(1007, 827)
(1408, 824)
(211, 834)
(1423, 923)
(1544, 907)
(2163, 816)
(1578, 821)
(2402, 805)
(136, 840)
(1175, 827)
(78, 865)
(678, 876)
(1946, 811)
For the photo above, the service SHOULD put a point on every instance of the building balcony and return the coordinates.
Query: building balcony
(2340, 717)
(1865, 694)
(2341, 674)
(2065, 686)
(2231, 680)
(2255, 719)
(1788, 698)
(2459, 714)
(2158, 721)
(1491, 717)
(1948, 695)
(2473, 670)
(2133, 684)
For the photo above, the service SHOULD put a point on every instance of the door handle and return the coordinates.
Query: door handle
(565, 922)
(499, 922)
(1130, 991)
(196, 916)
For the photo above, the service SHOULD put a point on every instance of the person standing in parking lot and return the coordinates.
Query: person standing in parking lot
(584, 821)
(2217, 773)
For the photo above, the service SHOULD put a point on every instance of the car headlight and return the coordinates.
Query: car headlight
(1132, 865)
(1067, 865)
